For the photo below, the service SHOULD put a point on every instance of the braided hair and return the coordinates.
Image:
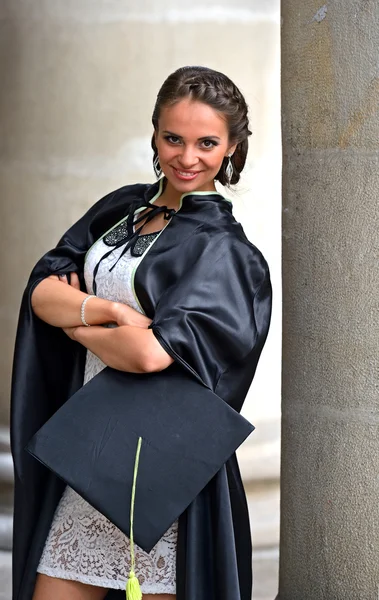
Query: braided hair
(218, 91)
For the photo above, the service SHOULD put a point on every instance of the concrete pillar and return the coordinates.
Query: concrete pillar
(330, 434)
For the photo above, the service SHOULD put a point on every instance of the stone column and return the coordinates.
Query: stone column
(330, 434)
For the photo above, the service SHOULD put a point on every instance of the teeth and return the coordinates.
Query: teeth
(186, 173)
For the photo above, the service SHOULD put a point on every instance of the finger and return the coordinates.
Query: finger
(63, 278)
(74, 281)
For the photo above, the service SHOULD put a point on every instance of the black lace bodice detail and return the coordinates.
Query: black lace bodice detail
(120, 233)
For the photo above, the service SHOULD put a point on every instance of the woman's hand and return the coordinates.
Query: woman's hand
(70, 331)
(126, 315)
(74, 280)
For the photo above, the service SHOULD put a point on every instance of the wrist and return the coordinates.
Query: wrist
(114, 309)
(74, 333)
(83, 309)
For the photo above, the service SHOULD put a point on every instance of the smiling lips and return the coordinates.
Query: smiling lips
(186, 175)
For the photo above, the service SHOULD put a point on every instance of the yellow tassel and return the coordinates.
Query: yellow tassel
(133, 590)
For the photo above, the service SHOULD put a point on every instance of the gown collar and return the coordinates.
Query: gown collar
(189, 202)
(194, 199)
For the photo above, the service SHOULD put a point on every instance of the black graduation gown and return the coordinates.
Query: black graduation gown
(208, 291)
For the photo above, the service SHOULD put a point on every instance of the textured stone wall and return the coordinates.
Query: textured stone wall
(330, 451)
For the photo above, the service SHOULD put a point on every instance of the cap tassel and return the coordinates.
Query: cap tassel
(133, 590)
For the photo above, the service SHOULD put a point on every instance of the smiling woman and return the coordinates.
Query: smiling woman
(201, 129)
(193, 153)
(153, 274)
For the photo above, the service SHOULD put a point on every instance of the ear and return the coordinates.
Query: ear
(231, 149)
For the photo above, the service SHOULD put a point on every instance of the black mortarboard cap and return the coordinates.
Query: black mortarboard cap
(187, 432)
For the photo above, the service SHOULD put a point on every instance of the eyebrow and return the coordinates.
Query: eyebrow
(205, 137)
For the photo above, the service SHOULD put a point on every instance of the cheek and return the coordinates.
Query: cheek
(215, 158)
(166, 152)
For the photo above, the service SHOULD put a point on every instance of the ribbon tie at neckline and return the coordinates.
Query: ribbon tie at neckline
(132, 234)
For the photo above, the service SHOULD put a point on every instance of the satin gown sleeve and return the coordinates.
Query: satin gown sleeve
(219, 311)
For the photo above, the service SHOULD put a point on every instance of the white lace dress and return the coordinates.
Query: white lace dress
(82, 544)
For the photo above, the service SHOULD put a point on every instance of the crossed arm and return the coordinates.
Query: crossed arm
(129, 347)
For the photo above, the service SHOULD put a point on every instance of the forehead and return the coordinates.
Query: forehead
(191, 118)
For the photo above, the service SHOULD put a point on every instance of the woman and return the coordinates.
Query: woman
(201, 296)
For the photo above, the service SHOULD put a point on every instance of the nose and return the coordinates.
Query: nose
(188, 158)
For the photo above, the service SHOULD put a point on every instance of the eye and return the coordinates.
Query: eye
(209, 144)
(172, 139)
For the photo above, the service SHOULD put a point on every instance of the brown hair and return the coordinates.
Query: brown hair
(219, 92)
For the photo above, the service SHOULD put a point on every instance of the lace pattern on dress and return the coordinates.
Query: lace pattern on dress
(82, 544)
(85, 546)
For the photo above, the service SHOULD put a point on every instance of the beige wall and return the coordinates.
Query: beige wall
(330, 484)
(79, 83)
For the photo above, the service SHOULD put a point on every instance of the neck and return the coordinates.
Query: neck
(171, 197)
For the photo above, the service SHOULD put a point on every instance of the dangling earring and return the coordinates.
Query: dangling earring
(229, 169)
(157, 167)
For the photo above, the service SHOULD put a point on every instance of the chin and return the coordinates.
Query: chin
(185, 186)
(201, 181)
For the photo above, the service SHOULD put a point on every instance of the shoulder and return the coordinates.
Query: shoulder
(126, 193)
(243, 255)
(228, 260)
(115, 205)
(104, 213)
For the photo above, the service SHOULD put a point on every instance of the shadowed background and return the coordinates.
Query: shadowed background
(79, 81)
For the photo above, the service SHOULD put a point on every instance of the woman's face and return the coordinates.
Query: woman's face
(192, 140)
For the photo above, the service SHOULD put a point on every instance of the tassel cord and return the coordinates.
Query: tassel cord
(133, 590)
(132, 502)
